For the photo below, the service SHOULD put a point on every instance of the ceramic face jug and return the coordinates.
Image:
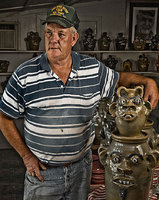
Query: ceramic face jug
(32, 41)
(129, 159)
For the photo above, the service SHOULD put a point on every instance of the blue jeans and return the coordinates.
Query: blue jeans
(61, 183)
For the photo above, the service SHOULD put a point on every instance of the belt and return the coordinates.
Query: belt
(64, 165)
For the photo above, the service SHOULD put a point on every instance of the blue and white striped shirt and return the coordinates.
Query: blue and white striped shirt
(58, 118)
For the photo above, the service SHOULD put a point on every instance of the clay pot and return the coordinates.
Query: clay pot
(4, 66)
(129, 164)
(143, 63)
(32, 41)
(130, 111)
(104, 42)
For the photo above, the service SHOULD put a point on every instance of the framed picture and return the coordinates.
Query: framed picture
(141, 18)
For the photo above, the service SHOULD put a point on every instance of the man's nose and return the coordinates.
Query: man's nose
(54, 37)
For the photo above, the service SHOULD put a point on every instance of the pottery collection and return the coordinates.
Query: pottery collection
(133, 153)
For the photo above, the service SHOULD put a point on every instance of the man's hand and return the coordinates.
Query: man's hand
(33, 166)
(151, 93)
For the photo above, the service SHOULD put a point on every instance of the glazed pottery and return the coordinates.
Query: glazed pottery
(133, 153)
(127, 66)
(4, 66)
(155, 43)
(130, 111)
(89, 41)
(32, 41)
(143, 63)
(110, 62)
(139, 43)
(120, 42)
(129, 164)
(104, 42)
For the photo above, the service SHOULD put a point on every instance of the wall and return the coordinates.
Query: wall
(103, 10)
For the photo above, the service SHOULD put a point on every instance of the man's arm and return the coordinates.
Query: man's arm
(151, 89)
(9, 130)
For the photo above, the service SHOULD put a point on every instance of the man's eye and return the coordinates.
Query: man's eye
(48, 33)
(61, 35)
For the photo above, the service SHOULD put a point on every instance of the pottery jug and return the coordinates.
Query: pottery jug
(155, 43)
(110, 62)
(4, 66)
(32, 41)
(120, 42)
(133, 153)
(129, 164)
(130, 111)
(104, 42)
(143, 63)
(89, 41)
(127, 66)
(139, 43)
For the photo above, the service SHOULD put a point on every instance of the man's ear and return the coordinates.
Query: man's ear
(75, 37)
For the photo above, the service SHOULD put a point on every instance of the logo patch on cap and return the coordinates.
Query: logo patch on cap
(59, 10)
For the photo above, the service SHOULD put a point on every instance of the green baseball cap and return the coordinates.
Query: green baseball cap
(63, 15)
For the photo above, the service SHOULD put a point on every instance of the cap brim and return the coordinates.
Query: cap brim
(58, 20)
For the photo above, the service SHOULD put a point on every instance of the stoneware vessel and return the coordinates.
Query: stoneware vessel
(89, 41)
(127, 66)
(32, 41)
(110, 62)
(143, 63)
(130, 111)
(104, 42)
(4, 66)
(132, 155)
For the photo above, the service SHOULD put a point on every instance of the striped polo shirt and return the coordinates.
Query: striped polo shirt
(58, 117)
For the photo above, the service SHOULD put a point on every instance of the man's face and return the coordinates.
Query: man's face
(58, 41)
(145, 23)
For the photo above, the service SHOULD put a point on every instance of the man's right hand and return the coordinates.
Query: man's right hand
(33, 166)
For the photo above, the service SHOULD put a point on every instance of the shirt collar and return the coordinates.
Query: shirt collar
(75, 63)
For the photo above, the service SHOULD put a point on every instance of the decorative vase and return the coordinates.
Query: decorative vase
(127, 66)
(104, 42)
(155, 43)
(120, 42)
(110, 62)
(89, 41)
(143, 63)
(32, 41)
(139, 43)
(4, 66)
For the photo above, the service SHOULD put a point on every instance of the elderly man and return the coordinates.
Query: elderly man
(57, 92)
